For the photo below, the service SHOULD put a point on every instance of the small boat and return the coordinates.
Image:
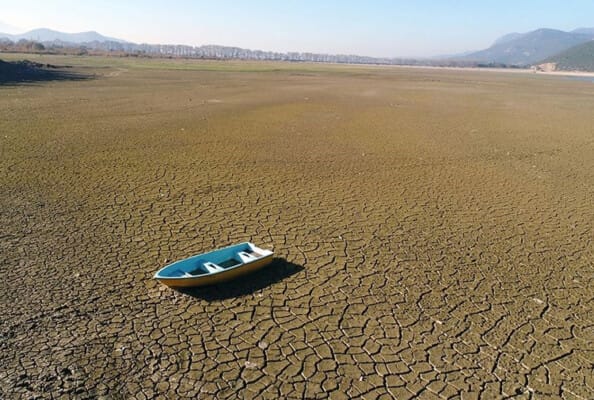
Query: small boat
(214, 267)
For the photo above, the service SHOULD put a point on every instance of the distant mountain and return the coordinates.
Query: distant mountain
(577, 58)
(529, 48)
(49, 35)
(509, 37)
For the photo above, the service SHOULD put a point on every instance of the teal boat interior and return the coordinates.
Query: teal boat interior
(213, 262)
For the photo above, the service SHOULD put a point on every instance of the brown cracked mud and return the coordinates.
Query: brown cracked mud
(433, 232)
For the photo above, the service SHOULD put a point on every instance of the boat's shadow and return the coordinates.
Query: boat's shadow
(278, 270)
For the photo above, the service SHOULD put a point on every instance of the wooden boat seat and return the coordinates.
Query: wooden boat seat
(212, 267)
(245, 256)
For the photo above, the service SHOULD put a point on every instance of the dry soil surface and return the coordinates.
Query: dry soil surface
(433, 232)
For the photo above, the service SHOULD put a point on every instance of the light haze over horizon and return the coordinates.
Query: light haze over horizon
(378, 28)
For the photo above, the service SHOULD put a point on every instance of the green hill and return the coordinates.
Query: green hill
(528, 48)
(577, 58)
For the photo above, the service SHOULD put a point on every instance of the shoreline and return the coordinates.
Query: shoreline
(581, 74)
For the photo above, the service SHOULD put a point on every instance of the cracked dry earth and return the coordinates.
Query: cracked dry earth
(433, 234)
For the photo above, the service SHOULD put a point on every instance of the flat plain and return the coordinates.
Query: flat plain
(433, 232)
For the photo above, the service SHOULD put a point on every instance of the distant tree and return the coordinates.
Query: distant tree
(28, 45)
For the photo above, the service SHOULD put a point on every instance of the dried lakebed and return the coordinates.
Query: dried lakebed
(433, 228)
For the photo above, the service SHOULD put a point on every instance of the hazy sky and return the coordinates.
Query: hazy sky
(374, 27)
